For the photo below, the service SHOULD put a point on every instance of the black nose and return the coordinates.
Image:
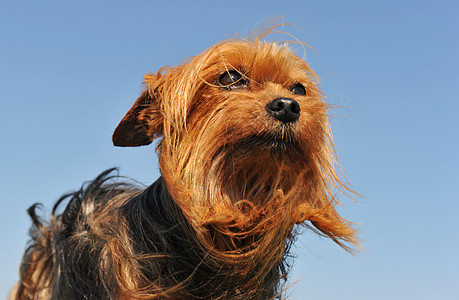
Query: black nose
(284, 109)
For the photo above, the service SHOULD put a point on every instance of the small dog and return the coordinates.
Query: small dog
(245, 154)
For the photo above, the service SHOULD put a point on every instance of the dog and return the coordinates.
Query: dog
(246, 156)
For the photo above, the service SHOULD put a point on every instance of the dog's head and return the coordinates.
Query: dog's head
(253, 94)
(242, 130)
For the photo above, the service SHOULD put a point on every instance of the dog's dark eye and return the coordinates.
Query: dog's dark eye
(298, 89)
(231, 79)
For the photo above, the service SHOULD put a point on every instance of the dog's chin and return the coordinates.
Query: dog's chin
(273, 143)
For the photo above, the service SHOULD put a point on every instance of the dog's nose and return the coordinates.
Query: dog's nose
(284, 109)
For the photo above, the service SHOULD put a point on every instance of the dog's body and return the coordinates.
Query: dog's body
(245, 154)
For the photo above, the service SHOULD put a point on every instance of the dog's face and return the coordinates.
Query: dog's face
(261, 103)
(242, 121)
(252, 99)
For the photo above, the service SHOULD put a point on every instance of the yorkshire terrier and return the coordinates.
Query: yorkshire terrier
(245, 153)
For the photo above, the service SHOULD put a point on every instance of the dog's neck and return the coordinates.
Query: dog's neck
(174, 249)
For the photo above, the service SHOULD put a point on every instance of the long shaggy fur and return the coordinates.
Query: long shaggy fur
(236, 182)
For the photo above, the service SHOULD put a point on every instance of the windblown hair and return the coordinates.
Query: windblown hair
(235, 182)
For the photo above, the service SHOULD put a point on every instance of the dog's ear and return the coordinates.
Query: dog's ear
(141, 125)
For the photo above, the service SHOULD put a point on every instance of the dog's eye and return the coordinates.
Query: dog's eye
(231, 79)
(298, 89)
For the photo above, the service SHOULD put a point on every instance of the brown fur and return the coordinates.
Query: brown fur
(235, 183)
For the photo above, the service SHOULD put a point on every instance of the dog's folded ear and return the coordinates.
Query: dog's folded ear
(141, 125)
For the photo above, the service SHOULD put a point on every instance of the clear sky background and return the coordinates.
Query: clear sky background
(69, 71)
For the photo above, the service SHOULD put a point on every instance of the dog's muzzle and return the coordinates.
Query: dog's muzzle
(284, 109)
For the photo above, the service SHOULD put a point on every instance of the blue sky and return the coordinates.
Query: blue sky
(71, 69)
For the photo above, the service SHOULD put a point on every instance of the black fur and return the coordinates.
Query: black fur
(162, 244)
